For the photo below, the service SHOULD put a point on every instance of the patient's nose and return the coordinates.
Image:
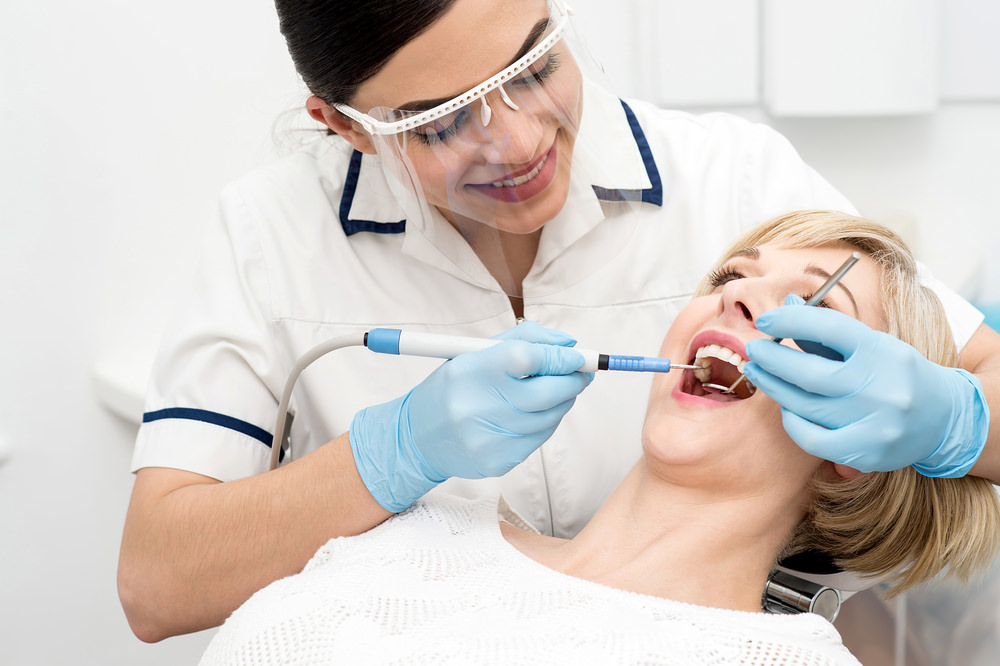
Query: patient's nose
(742, 302)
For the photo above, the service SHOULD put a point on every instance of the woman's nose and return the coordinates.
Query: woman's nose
(743, 301)
(511, 136)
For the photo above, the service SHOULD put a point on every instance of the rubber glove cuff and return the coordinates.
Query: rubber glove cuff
(966, 436)
(396, 480)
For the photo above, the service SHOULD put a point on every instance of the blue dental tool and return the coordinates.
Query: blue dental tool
(409, 343)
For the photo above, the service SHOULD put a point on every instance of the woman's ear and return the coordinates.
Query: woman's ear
(340, 124)
(845, 472)
(831, 471)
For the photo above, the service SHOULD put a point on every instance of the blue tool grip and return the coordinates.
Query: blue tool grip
(383, 340)
(638, 363)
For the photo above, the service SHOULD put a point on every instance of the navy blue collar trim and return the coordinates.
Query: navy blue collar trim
(653, 195)
(352, 227)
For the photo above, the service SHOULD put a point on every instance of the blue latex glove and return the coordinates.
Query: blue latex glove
(883, 407)
(478, 415)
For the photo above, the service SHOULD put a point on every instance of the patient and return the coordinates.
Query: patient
(672, 567)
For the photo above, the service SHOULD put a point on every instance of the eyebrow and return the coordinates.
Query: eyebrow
(750, 253)
(426, 104)
(812, 269)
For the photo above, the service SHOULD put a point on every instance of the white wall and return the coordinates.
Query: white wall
(120, 122)
(933, 174)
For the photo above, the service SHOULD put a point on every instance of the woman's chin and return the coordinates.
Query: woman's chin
(523, 217)
(693, 429)
(727, 452)
(682, 443)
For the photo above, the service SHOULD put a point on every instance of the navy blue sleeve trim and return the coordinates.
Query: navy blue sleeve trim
(352, 227)
(229, 422)
(654, 195)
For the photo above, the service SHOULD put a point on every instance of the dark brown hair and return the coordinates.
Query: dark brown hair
(337, 45)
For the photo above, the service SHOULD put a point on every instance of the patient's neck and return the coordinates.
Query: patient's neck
(684, 543)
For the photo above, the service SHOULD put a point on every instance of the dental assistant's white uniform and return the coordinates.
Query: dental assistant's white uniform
(316, 245)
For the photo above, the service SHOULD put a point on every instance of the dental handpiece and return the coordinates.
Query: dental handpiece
(410, 343)
(396, 341)
(821, 293)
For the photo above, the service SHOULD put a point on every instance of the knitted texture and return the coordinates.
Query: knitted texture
(439, 584)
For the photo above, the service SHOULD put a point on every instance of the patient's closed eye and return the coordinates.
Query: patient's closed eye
(725, 274)
(821, 304)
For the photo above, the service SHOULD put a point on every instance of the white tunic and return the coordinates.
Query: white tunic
(316, 245)
(439, 584)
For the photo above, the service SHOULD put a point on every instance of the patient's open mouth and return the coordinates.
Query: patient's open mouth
(718, 367)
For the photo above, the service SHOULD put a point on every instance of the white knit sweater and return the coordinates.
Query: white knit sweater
(438, 584)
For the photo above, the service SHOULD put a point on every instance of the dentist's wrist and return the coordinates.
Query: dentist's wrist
(965, 438)
(390, 467)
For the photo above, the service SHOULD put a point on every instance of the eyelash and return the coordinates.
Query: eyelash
(726, 274)
(446, 133)
(551, 65)
(822, 302)
(539, 77)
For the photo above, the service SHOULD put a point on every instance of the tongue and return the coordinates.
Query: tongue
(717, 394)
(695, 387)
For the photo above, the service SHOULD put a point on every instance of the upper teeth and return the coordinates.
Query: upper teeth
(514, 182)
(702, 356)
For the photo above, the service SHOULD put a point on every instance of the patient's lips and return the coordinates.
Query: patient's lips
(719, 366)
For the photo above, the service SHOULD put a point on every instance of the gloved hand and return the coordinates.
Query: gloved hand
(478, 415)
(883, 407)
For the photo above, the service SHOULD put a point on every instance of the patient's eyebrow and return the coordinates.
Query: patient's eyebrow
(750, 253)
(426, 104)
(813, 269)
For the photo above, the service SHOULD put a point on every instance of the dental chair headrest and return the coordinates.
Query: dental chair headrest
(818, 567)
(810, 582)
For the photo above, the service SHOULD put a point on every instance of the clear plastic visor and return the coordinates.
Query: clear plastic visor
(503, 166)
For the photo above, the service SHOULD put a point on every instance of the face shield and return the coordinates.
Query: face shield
(496, 163)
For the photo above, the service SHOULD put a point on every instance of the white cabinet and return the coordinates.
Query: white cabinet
(970, 58)
(678, 53)
(850, 57)
(797, 57)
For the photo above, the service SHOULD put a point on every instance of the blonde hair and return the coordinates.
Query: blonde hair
(899, 524)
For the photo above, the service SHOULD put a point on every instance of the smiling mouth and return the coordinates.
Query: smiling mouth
(718, 367)
(522, 184)
(520, 180)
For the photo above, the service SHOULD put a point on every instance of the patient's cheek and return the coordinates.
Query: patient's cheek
(692, 318)
(663, 384)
